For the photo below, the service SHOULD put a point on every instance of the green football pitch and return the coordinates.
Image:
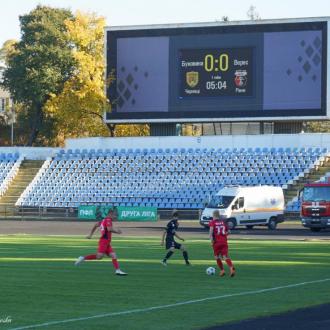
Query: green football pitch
(41, 288)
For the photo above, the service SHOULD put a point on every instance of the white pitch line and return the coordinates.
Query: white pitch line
(149, 309)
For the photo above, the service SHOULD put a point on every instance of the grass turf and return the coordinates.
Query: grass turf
(40, 284)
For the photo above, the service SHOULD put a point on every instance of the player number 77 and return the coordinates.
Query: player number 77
(221, 230)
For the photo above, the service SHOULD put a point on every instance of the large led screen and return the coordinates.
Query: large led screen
(274, 71)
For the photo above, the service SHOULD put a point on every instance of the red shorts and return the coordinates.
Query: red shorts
(104, 246)
(220, 248)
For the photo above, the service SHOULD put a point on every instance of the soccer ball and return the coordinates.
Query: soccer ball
(210, 271)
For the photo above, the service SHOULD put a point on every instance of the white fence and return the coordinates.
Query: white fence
(225, 141)
(303, 140)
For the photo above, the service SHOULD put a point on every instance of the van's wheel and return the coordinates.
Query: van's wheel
(231, 223)
(249, 226)
(315, 230)
(272, 224)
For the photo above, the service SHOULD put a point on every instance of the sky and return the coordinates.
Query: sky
(141, 12)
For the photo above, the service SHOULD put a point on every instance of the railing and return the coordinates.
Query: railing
(8, 212)
(71, 214)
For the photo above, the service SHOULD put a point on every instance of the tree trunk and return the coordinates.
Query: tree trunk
(35, 125)
(112, 128)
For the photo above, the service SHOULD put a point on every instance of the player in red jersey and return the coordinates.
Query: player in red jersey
(218, 236)
(105, 248)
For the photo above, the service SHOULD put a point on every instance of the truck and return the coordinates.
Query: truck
(247, 206)
(315, 205)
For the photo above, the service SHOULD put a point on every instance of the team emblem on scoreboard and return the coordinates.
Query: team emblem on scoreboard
(192, 78)
(240, 78)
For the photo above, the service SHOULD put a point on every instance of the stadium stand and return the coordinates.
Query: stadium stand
(9, 164)
(183, 178)
(295, 204)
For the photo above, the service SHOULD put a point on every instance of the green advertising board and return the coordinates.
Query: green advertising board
(87, 212)
(125, 213)
(93, 212)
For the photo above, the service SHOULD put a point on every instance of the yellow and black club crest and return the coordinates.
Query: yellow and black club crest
(192, 78)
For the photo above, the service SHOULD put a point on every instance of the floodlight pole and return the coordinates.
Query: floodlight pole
(12, 133)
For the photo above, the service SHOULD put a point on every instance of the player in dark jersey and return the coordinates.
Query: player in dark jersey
(105, 248)
(168, 236)
(218, 237)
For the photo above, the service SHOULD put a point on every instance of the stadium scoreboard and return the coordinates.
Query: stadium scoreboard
(229, 71)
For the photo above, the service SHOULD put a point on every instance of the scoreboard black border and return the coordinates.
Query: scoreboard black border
(193, 116)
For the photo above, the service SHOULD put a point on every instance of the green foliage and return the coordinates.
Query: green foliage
(191, 129)
(38, 66)
(55, 74)
(40, 283)
(132, 130)
(318, 127)
(78, 108)
(5, 132)
(8, 49)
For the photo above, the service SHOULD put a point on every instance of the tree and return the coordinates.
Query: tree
(317, 127)
(192, 129)
(8, 50)
(132, 130)
(7, 117)
(38, 66)
(77, 110)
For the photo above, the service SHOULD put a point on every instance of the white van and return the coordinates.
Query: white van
(247, 206)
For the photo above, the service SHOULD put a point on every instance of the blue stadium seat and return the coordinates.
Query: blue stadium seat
(170, 177)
